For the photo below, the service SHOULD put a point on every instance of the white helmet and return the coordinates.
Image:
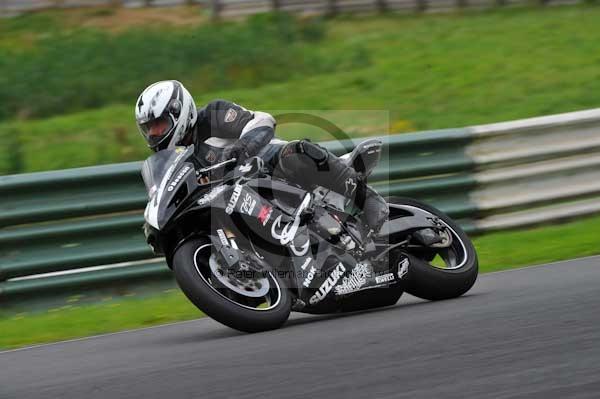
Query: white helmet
(165, 113)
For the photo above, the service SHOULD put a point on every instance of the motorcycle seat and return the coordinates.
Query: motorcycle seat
(365, 156)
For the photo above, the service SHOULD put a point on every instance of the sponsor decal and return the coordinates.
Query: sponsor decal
(288, 232)
(356, 280)
(223, 237)
(211, 195)
(264, 214)
(211, 156)
(309, 278)
(350, 187)
(385, 278)
(403, 267)
(303, 249)
(235, 196)
(306, 263)
(230, 115)
(171, 169)
(328, 284)
(248, 204)
(175, 182)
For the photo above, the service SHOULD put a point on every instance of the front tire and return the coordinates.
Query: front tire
(425, 281)
(190, 265)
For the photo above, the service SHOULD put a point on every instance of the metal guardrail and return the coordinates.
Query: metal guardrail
(536, 170)
(237, 8)
(56, 228)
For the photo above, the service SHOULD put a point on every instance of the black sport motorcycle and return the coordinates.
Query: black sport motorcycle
(247, 248)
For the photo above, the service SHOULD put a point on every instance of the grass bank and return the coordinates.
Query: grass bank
(424, 72)
(498, 251)
(66, 70)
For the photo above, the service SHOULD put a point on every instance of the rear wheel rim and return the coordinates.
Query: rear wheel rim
(451, 255)
(262, 303)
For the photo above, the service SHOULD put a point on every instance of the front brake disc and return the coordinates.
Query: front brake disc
(248, 283)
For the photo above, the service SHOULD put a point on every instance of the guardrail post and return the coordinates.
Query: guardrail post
(215, 8)
(462, 3)
(381, 5)
(422, 5)
(275, 5)
(15, 157)
(332, 7)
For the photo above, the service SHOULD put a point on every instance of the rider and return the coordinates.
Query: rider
(167, 116)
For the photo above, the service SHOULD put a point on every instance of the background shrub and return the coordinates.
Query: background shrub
(66, 71)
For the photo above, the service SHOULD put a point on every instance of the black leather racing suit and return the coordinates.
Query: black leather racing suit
(225, 129)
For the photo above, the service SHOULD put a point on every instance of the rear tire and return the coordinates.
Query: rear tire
(428, 282)
(216, 305)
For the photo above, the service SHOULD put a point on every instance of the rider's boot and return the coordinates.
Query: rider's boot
(308, 163)
(375, 209)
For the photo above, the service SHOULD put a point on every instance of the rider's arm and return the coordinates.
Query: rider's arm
(228, 120)
(256, 134)
(225, 119)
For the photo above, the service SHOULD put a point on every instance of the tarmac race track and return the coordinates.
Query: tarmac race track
(528, 333)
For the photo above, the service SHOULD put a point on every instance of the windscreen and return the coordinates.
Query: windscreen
(159, 164)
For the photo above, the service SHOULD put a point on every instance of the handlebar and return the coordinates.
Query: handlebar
(218, 165)
(221, 172)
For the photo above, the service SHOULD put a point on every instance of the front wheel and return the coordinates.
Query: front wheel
(249, 305)
(437, 273)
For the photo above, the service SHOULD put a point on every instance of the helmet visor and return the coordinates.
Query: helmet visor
(156, 130)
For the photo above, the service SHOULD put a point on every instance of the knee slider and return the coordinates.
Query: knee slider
(314, 151)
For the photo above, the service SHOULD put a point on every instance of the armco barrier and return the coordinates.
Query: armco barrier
(57, 228)
(535, 170)
(240, 8)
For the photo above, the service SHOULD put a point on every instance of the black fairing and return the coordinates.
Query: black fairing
(260, 211)
(413, 219)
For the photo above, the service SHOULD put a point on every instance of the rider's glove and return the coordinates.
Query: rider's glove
(235, 151)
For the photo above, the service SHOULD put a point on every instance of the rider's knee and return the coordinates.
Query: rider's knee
(303, 151)
(314, 151)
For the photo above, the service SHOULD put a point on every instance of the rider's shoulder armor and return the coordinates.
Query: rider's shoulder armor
(222, 119)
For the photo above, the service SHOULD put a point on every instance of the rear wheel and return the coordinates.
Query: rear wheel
(247, 304)
(436, 273)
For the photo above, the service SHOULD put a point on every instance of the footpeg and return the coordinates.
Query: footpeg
(347, 242)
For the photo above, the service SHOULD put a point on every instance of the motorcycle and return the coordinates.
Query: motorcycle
(247, 248)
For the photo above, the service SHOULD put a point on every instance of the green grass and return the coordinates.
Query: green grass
(424, 72)
(505, 250)
(498, 251)
(79, 321)
(109, 135)
(77, 69)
